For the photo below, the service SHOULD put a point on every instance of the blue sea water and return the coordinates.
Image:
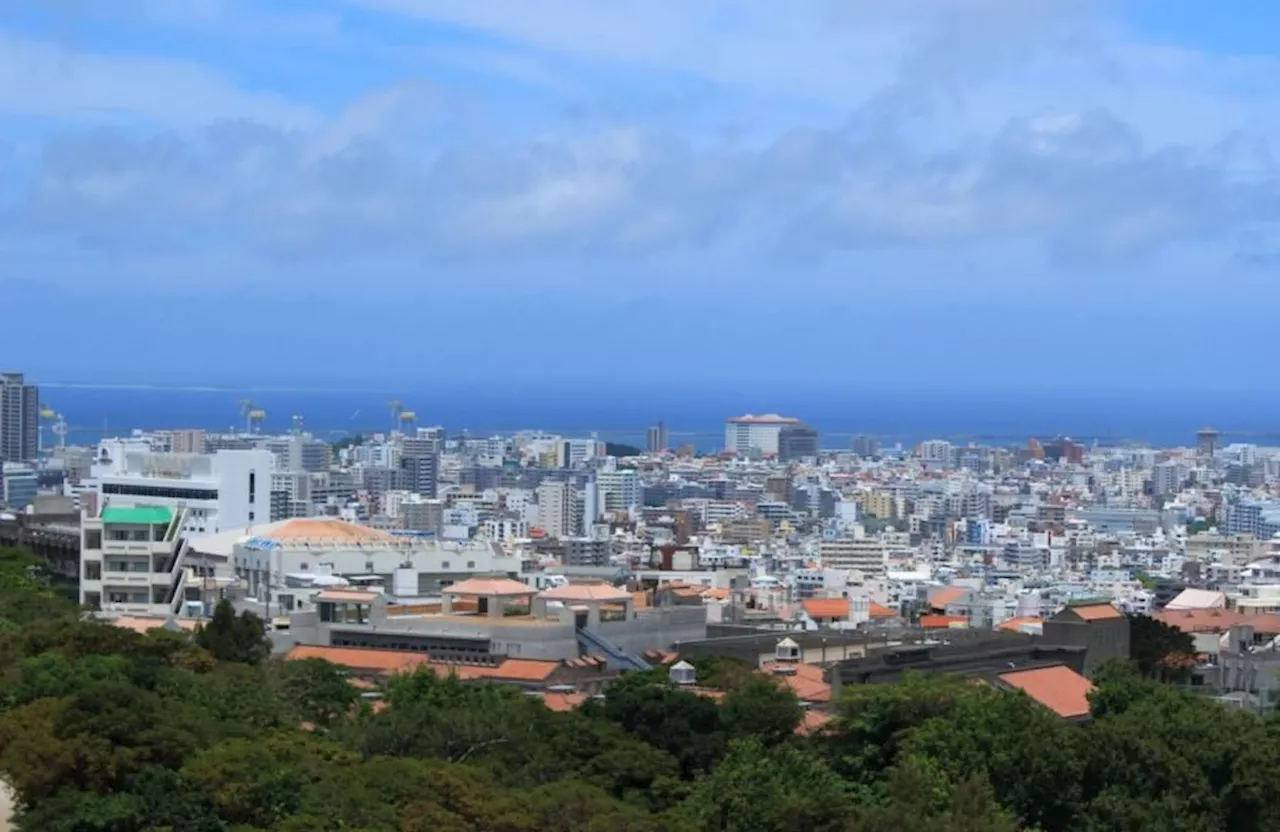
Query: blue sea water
(623, 416)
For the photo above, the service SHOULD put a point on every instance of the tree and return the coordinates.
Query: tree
(1159, 650)
(758, 789)
(763, 709)
(234, 638)
(318, 690)
(685, 725)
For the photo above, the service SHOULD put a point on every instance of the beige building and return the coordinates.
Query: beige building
(866, 555)
(1231, 549)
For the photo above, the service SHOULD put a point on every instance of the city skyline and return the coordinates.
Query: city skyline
(1057, 196)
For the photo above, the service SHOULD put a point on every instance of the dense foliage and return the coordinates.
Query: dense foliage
(106, 730)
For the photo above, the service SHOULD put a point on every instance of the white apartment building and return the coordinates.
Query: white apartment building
(743, 433)
(865, 555)
(617, 490)
(555, 509)
(229, 489)
(133, 560)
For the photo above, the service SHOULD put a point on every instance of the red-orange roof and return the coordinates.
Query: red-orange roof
(1058, 688)
(145, 624)
(1096, 612)
(1020, 625)
(947, 595)
(839, 608)
(562, 702)
(812, 721)
(363, 659)
(1217, 621)
(943, 622)
(597, 592)
(805, 680)
(500, 587)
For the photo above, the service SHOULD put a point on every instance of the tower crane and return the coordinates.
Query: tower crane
(397, 407)
(246, 413)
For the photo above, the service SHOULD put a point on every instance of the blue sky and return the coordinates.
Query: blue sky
(554, 194)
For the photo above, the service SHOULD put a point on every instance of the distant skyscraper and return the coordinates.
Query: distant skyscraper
(866, 446)
(19, 418)
(797, 442)
(657, 438)
(1206, 442)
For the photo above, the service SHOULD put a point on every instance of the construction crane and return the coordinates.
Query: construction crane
(46, 415)
(246, 413)
(256, 417)
(407, 420)
(397, 407)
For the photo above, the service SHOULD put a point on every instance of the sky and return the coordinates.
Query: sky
(849, 197)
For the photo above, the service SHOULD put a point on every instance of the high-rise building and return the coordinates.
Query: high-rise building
(618, 490)
(657, 439)
(866, 446)
(742, 434)
(555, 509)
(797, 442)
(420, 465)
(19, 419)
(1206, 442)
(188, 441)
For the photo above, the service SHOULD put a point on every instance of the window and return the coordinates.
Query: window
(471, 564)
(160, 491)
(252, 488)
(251, 513)
(444, 564)
(93, 539)
(92, 570)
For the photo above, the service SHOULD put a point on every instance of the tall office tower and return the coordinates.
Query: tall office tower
(420, 463)
(19, 418)
(657, 438)
(797, 442)
(866, 446)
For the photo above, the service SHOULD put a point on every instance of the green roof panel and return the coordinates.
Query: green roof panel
(138, 515)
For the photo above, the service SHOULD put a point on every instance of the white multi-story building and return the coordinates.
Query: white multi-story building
(865, 555)
(617, 490)
(132, 559)
(220, 491)
(555, 509)
(744, 433)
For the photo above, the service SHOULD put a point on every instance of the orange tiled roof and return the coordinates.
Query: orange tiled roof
(562, 702)
(806, 682)
(597, 592)
(1019, 625)
(839, 608)
(947, 595)
(502, 587)
(1058, 688)
(316, 530)
(1096, 612)
(145, 624)
(943, 622)
(812, 721)
(1217, 621)
(350, 595)
(365, 659)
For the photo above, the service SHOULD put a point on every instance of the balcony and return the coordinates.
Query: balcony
(127, 547)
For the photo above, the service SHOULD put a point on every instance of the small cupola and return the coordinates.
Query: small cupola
(787, 651)
(683, 673)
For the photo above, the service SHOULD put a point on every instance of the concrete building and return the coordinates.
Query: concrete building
(657, 439)
(19, 419)
(743, 434)
(133, 560)
(617, 490)
(555, 509)
(796, 442)
(219, 491)
(487, 619)
(21, 484)
(187, 441)
(1101, 629)
(866, 556)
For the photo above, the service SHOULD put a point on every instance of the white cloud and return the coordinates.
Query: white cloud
(43, 79)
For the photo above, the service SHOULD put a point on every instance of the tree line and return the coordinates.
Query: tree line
(106, 730)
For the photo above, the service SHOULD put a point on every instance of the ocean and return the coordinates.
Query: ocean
(1008, 419)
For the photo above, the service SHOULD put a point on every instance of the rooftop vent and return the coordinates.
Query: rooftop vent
(683, 673)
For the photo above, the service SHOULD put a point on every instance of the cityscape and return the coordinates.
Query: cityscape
(639, 416)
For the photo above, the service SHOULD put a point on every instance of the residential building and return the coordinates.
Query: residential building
(19, 419)
(21, 484)
(617, 490)
(657, 439)
(555, 508)
(864, 555)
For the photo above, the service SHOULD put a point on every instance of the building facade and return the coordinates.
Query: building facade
(19, 419)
